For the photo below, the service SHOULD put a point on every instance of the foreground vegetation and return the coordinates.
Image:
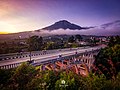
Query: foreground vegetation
(26, 77)
(104, 76)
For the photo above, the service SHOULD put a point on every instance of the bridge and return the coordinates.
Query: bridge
(80, 63)
(54, 57)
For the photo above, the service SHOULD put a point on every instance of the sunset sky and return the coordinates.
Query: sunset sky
(26, 15)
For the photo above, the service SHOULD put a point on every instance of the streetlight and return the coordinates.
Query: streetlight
(30, 48)
(20, 45)
(76, 53)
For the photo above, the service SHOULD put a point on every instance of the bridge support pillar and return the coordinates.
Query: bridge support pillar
(43, 67)
(5, 67)
(68, 63)
(62, 64)
(8, 66)
(54, 65)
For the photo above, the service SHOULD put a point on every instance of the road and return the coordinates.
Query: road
(34, 53)
(41, 58)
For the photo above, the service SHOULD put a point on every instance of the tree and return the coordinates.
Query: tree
(50, 45)
(67, 81)
(94, 40)
(108, 61)
(35, 43)
(111, 41)
(114, 40)
(22, 75)
(5, 76)
(25, 77)
(78, 37)
(71, 39)
(50, 78)
(36, 83)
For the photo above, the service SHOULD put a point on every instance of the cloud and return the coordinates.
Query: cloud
(13, 18)
(92, 31)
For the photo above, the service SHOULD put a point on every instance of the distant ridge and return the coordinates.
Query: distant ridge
(111, 25)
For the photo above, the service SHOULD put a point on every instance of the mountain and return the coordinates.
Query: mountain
(112, 28)
(64, 24)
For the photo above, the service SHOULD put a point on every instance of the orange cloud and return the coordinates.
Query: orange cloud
(3, 32)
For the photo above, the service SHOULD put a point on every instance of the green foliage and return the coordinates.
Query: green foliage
(36, 84)
(108, 61)
(50, 79)
(74, 45)
(96, 83)
(114, 40)
(10, 47)
(26, 77)
(5, 76)
(50, 45)
(22, 75)
(69, 82)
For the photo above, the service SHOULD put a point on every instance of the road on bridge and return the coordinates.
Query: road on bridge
(46, 57)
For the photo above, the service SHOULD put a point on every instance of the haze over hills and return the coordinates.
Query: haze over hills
(65, 27)
(112, 28)
(112, 25)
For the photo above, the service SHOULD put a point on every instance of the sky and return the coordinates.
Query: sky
(27, 15)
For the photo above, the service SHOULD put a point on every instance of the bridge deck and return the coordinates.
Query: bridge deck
(46, 57)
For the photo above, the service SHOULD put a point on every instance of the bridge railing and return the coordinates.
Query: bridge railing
(33, 53)
(23, 55)
(10, 66)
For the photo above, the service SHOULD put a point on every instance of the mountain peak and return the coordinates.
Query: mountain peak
(63, 21)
